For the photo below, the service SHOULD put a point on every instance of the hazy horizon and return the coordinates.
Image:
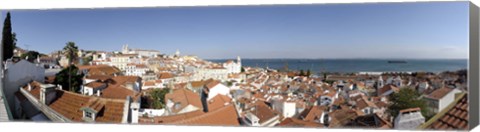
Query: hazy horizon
(423, 30)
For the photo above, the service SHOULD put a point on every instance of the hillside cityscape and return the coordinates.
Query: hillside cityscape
(143, 85)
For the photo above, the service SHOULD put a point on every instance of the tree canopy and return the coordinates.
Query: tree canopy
(308, 72)
(404, 99)
(158, 98)
(70, 50)
(8, 38)
(69, 78)
(32, 55)
(302, 73)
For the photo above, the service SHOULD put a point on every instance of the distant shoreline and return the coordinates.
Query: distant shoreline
(357, 65)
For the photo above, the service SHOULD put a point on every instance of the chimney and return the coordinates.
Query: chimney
(29, 87)
(47, 93)
(134, 107)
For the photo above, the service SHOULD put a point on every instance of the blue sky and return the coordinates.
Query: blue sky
(382, 30)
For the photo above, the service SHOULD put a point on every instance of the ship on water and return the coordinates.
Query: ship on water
(397, 61)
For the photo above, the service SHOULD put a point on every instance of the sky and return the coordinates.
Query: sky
(377, 30)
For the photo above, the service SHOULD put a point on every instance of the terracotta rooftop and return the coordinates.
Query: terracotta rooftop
(225, 116)
(165, 75)
(292, 122)
(369, 121)
(387, 88)
(314, 113)
(149, 83)
(184, 97)
(69, 105)
(118, 92)
(95, 104)
(212, 84)
(99, 77)
(35, 89)
(50, 79)
(218, 101)
(363, 103)
(197, 84)
(439, 93)
(410, 110)
(95, 85)
(453, 117)
(341, 117)
(100, 69)
(122, 80)
(263, 112)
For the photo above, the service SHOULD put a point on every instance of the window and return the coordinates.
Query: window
(178, 105)
(88, 115)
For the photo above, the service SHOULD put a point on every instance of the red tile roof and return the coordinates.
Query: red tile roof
(314, 113)
(455, 117)
(341, 117)
(439, 93)
(95, 85)
(118, 92)
(263, 112)
(410, 110)
(99, 77)
(69, 105)
(387, 88)
(212, 84)
(225, 116)
(218, 101)
(100, 69)
(184, 97)
(165, 75)
(292, 122)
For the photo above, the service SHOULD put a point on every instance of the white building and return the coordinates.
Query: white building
(121, 61)
(409, 119)
(233, 67)
(441, 98)
(19, 74)
(261, 115)
(217, 73)
(287, 108)
(215, 87)
(141, 52)
(93, 88)
(136, 70)
(182, 101)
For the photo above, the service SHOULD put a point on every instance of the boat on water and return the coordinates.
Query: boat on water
(397, 61)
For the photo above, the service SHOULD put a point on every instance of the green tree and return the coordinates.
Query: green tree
(87, 60)
(302, 73)
(70, 50)
(404, 99)
(14, 38)
(158, 98)
(8, 38)
(32, 55)
(69, 78)
(242, 70)
(308, 72)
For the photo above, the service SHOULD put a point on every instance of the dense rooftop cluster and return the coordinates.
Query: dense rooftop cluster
(121, 88)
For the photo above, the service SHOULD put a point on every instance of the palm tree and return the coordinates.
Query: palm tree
(70, 50)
